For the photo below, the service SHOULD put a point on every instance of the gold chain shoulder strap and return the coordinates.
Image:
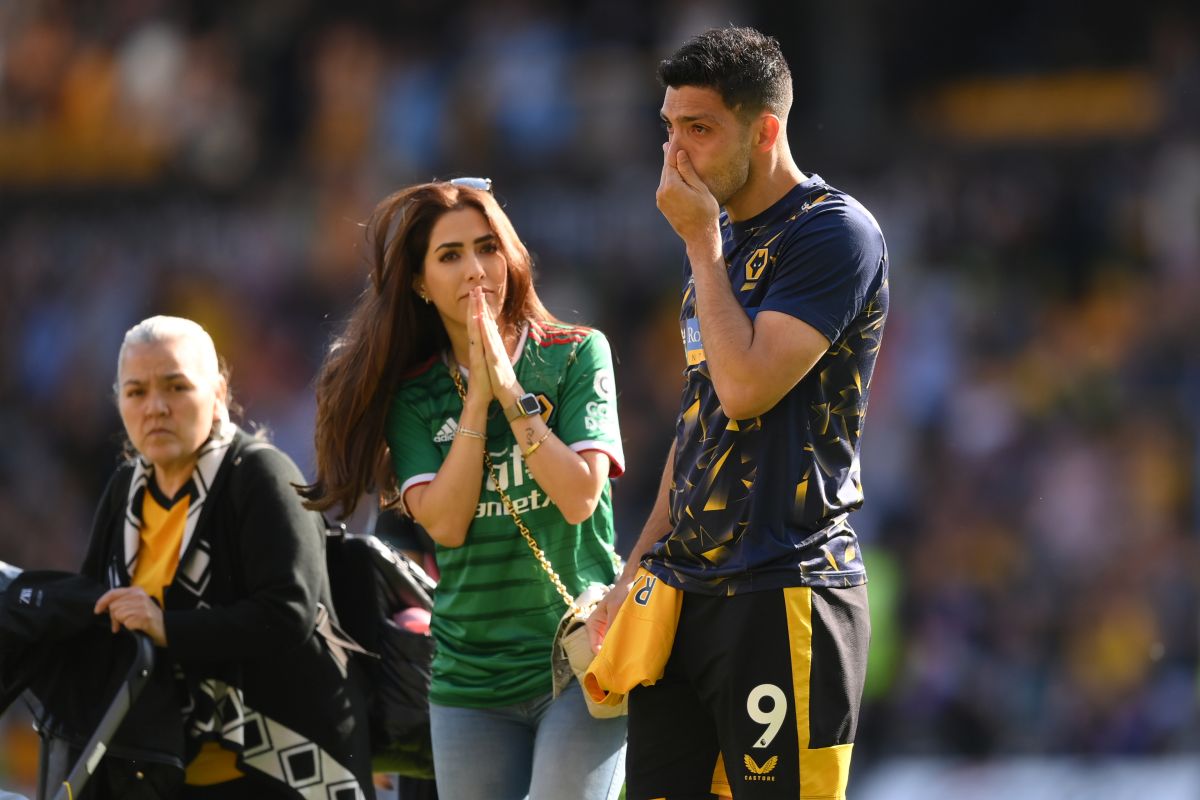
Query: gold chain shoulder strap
(538, 553)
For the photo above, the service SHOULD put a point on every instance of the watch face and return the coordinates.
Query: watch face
(530, 405)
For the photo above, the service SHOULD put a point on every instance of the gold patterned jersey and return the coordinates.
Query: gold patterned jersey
(763, 503)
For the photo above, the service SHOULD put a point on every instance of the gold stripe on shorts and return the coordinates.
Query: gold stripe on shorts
(824, 771)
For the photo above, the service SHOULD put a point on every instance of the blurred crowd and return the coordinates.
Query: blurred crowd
(1032, 458)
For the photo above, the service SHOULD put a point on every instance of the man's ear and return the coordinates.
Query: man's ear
(769, 128)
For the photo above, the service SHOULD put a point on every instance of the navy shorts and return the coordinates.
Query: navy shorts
(759, 699)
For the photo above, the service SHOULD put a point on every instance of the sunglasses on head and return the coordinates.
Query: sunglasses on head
(481, 184)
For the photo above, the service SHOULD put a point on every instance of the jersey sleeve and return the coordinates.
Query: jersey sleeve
(829, 269)
(415, 457)
(587, 413)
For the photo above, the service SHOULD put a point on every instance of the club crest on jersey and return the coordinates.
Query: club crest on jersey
(755, 266)
(547, 407)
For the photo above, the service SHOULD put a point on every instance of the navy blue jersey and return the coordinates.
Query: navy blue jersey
(762, 503)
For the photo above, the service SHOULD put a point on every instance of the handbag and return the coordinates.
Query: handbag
(571, 652)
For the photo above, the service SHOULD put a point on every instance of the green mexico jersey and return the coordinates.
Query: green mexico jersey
(496, 611)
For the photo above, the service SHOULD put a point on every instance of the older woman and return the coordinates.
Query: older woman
(208, 550)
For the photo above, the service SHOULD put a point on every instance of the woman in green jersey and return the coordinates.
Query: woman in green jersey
(455, 392)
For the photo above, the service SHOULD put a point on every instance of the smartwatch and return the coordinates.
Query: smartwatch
(527, 405)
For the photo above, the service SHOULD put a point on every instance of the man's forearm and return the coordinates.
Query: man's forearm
(727, 331)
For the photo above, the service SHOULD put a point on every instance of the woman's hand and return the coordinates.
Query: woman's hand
(479, 390)
(499, 364)
(130, 607)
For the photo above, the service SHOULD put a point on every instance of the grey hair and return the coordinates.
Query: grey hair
(159, 329)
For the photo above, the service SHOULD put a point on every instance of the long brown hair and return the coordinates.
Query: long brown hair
(390, 332)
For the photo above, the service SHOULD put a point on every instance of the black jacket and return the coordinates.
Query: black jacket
(241, 625)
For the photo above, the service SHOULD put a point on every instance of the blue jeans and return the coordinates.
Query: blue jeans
(541, 749)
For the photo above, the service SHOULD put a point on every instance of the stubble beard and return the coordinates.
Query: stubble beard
(732, 177)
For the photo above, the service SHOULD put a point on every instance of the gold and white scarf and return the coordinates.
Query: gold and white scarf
(209, 459)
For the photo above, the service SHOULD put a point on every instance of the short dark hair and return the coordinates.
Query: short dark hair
(742, 65)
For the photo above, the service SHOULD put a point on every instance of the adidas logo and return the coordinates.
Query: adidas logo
(446, 432)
